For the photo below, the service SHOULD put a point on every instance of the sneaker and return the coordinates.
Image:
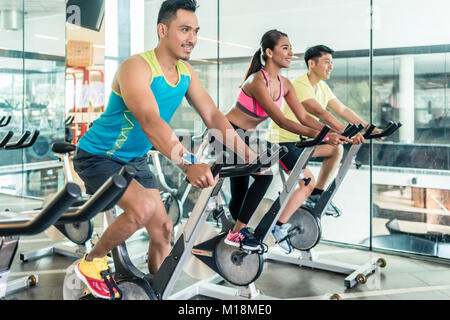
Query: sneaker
(242, 239)
(95, 274)
(280, 234)
(332, 210)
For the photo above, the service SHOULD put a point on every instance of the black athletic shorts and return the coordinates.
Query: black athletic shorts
(94, 170)
(288, 161)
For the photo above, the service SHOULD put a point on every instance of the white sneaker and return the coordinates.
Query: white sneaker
(280, 234)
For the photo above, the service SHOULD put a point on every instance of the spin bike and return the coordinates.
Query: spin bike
(306, 229)
(102, 199)
(133, 284)
(12, 228)
(174, 199)
(81, 234)
(236, 265)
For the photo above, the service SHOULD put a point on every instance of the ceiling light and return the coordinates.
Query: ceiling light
(225, 42)
(11, 19)
(45, 37)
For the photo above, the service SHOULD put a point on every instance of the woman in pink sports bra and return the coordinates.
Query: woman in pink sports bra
(259, 98)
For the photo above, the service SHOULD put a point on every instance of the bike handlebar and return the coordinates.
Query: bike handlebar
(48, 215)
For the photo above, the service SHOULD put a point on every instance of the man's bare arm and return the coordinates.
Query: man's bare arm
(134, 77)
(345, 112)
(298, 108)
(314, 108)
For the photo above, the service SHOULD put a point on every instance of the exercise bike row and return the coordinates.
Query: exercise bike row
(233, 264)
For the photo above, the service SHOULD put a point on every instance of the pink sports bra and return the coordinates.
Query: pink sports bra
(249, 104)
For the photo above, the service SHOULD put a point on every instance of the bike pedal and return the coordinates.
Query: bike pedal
(307, 181)
(217, 213)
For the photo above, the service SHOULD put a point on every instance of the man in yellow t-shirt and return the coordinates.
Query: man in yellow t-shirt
(316, 97)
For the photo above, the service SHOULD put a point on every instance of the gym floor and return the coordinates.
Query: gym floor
(403, 278)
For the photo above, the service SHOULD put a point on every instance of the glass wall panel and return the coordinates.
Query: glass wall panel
(205, 63)
(240, 33)
(32, 49)
(410, 75)
(11, 90)
(411, 170)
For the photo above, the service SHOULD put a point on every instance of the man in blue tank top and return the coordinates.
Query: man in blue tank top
(146, 91)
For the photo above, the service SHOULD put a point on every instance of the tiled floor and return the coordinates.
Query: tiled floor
(403, 278)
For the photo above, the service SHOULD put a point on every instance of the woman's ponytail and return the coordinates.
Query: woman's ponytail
(255, 64)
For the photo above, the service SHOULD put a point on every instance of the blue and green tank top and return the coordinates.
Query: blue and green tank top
(117, 133)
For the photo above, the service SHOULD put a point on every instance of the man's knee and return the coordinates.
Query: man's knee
(143, 212)
(335, 154)
(339, 151)
(167, 228)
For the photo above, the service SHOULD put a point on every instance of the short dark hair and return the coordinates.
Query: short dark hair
(169, 8)
(316, 52)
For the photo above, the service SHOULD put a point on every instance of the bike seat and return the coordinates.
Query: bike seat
(63, 147)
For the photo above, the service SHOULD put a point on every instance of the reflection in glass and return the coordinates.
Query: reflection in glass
(32, 46)
(411, 176)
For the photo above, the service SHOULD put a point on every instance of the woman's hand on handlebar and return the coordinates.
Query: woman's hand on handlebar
(335, 139)
(200, 176)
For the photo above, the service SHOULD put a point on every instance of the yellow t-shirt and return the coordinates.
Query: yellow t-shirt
(304, 91)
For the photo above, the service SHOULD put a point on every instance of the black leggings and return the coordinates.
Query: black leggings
(244, 198)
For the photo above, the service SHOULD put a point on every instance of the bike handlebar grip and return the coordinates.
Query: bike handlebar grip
(353, 130)
(128, 172)
(69, 120)
(348, 129)
(18, 142)
(215, 169)
(6, 139)
(103, 199)
(48, 215)
(312, 142)
(322, 134)
(390, 129)
(369, 131)
(28, 144)
(8, 119)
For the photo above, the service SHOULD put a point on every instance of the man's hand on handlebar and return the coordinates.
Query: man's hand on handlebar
(335, 139)
(200, 176)
(358, 139)
(376, 131)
